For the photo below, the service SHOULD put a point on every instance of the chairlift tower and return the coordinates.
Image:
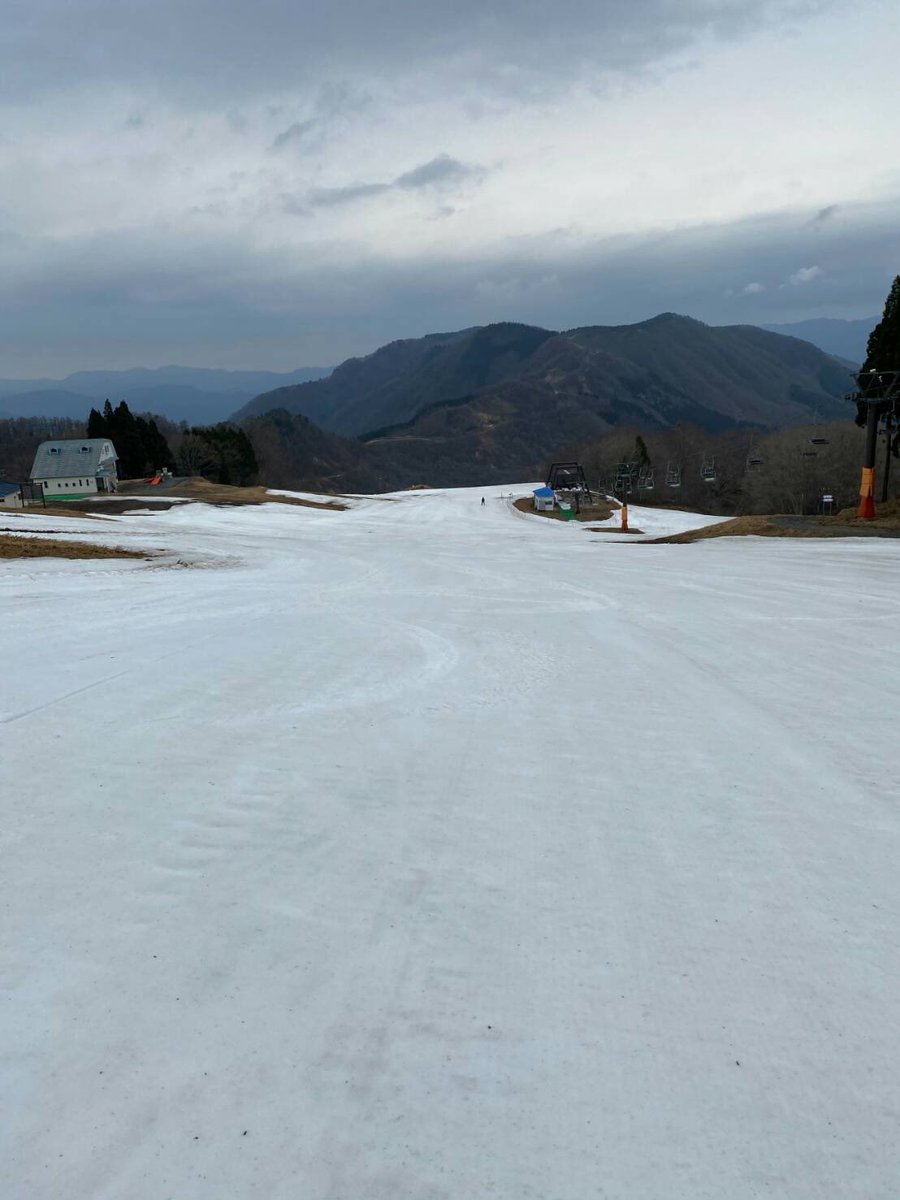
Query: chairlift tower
(880, 392)
(568, 477)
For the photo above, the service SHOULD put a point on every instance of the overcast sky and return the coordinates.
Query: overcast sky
(289, 182)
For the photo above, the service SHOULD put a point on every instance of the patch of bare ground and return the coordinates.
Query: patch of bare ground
(737, 527)
(887, 516)
(223, 493)
(787, 526)
(18, 546)
(139, 493)
(601, 511)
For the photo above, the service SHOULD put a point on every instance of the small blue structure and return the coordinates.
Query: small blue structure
(11, 495)
(544, 499)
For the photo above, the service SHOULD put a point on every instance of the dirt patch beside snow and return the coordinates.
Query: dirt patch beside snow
(785, 526)
(17, 546)
(222, 493)
(138, 494)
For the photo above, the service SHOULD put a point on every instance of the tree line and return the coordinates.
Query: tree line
(745, 471)
(145, 444)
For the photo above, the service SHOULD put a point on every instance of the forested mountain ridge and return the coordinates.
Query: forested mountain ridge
(399, 380)
(658, 372)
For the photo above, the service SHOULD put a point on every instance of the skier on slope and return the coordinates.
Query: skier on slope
(482, 501)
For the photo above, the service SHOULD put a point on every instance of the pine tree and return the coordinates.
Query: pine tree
(883, 355)
(883, 346)
(140, 446)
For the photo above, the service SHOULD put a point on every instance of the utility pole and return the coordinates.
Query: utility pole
(867, 482)
(889, 434)
(878, 391)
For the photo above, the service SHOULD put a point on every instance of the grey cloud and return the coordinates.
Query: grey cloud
(170, 297)
(234, 51)
(332, 104)
(825, 214)
(331, 197)
(294, 133)
(440, 173)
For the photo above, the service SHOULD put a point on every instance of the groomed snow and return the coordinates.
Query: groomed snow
(427, 851)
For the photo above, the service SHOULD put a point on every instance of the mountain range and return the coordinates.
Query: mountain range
(492, 402)
(198, 395)
(478, 405)
(843, 339)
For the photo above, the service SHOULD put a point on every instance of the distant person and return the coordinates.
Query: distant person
(482, 501)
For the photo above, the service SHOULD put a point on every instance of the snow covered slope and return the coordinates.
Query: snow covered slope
(429, 851)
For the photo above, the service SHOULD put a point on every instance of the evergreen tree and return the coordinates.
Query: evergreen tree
(225, 452)
(126, 435)
(140, 446)
(156, 448)
(883, 354)
(883, 346)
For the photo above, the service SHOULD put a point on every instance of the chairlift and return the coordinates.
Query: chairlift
(708, 470)
(755, 462)
(673, 475)
(819, 441)
(809, 454)
(645, 481)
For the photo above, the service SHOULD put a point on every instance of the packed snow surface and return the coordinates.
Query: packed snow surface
(430, 850)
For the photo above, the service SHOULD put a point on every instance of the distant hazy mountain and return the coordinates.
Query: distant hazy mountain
(194, 394)
(504, 397)
(846, 339)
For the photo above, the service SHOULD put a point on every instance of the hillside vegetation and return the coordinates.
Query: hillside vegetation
(655, 373)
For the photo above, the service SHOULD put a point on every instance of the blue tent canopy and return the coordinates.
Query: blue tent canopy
(544, 491)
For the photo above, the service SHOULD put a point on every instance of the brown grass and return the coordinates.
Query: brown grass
(45, 547)
(817, 527)
(887, 515)
(738, 527)
(135, 494)
(221, 493)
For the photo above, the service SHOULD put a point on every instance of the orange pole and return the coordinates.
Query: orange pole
(625, 518)
(867, 493)
(867, 483)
